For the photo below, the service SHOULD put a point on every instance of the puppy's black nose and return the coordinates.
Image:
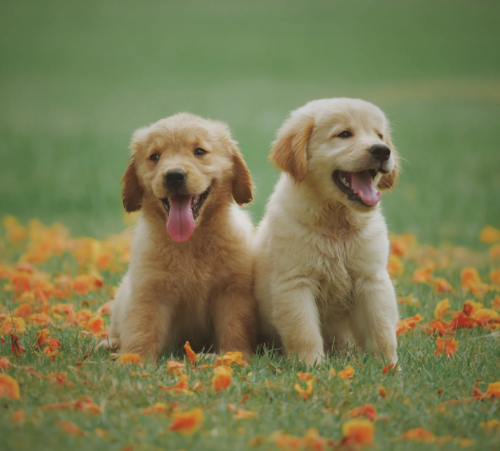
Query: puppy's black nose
(380, 152)
(175, 178)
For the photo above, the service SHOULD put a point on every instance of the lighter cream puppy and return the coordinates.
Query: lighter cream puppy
(322, 247)
(190, 273)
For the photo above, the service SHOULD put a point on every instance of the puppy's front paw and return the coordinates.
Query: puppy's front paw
(109, 343)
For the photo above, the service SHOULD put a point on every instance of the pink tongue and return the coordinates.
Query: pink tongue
(180, 224)
(362, 184)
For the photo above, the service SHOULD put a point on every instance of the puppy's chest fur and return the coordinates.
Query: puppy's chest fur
(336, 263)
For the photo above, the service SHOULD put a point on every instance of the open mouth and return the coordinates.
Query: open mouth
(359, 186)
(183, 210)
(196, 202)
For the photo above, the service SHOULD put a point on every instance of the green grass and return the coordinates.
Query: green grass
(412, 401)
(77, 78)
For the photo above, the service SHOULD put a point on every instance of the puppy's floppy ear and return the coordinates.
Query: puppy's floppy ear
(388, 181)
(242, 181)
(289, 149)
(132, 191)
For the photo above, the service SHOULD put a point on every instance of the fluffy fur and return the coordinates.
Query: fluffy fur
(201, 289)
(321, 277)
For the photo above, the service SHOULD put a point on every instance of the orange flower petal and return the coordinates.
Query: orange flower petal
(446, 345)
(191, 355)
(305, 393)
(187, 423)
(358, 432)
(9, 387)
(346, 373)
(70, 428)
(129, 359)
(222, 379)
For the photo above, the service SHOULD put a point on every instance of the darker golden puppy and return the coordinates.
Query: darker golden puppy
(190, 274)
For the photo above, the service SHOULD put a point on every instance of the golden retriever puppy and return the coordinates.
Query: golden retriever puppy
(190, 273)
(322, 247)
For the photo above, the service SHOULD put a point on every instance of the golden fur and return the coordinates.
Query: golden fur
(321, 277)
(199, 290)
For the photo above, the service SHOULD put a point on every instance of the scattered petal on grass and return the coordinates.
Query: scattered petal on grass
(489, 235)
(388, 368)
(382, 391)
(304, 376)
(358, 432)
(485, 316)
(102, 433)
(442, 285)
(407, 324)
(70, 428)
(471, 281)
(491, 426)
(84, 404)
(42, 337)
(5, 364)
(180, 387)
(187, 423)
(240, 414)
(418, 435)
(229, 358)
(9, 387)
(493, 391)
(346, 373)
(13, 325)
(129, 359)
(367, 410)
(175, 367)
(156, 409)
(60, 379)
(304, 392)
(424, 274)
(441, 308)
(424, 436)
(222, 379)
(95, 325)
(395, 266)
(445, 345)
(495, 276)
(191, 355)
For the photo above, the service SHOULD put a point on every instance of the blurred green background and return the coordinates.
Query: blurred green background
(76, 78)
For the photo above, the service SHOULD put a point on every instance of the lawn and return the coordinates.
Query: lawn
(76, 78)
(74, 395)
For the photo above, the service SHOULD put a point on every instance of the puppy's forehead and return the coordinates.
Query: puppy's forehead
(364, 116)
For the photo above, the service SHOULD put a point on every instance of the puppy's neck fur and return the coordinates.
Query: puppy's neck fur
(328, 216)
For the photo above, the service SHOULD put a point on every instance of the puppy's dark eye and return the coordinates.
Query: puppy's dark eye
(344, 134)
(154, 157)
(380, 135)
(199, 152)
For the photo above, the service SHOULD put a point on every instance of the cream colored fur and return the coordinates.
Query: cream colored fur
(321, 277)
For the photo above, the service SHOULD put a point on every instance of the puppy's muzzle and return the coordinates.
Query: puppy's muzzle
(175, 179)
(380, 152)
